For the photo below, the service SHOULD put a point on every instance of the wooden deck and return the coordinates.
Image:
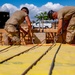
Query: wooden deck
(49, 33)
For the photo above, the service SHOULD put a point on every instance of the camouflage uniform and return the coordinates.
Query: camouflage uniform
(68, 15)
(12, 27)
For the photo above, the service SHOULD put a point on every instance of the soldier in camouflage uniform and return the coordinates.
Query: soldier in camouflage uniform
(12, 26)
(66, 21)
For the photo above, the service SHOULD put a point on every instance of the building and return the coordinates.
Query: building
(4, 16)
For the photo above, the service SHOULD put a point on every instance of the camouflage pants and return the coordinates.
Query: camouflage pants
(71, 30)
(15, 35)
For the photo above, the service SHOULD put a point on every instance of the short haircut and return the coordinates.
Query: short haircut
(25, 9)
(50, 14)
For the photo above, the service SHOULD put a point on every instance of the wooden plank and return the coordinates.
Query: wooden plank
(45, 30)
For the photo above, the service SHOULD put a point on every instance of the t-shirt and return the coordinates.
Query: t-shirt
(17, 18)
(66, 12)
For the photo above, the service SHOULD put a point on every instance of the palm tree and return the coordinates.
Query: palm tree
(42, 15)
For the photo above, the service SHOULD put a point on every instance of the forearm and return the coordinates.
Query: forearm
(58, 31)
(59, 27)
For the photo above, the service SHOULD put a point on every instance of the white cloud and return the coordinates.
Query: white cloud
(9, 8)
(32, 8)
(52, 6)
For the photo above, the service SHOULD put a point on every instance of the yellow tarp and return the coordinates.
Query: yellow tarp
(64, 63)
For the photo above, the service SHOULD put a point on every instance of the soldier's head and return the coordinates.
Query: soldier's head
(52, 14)
(25, 9)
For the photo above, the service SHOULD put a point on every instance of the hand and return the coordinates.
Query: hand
(29, 27)
(55, 38)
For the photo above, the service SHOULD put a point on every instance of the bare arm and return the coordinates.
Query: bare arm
(59, 27)
(29, 27)
(28, 22)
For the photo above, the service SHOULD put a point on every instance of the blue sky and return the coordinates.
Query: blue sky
(34, 6)
(38, 3)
